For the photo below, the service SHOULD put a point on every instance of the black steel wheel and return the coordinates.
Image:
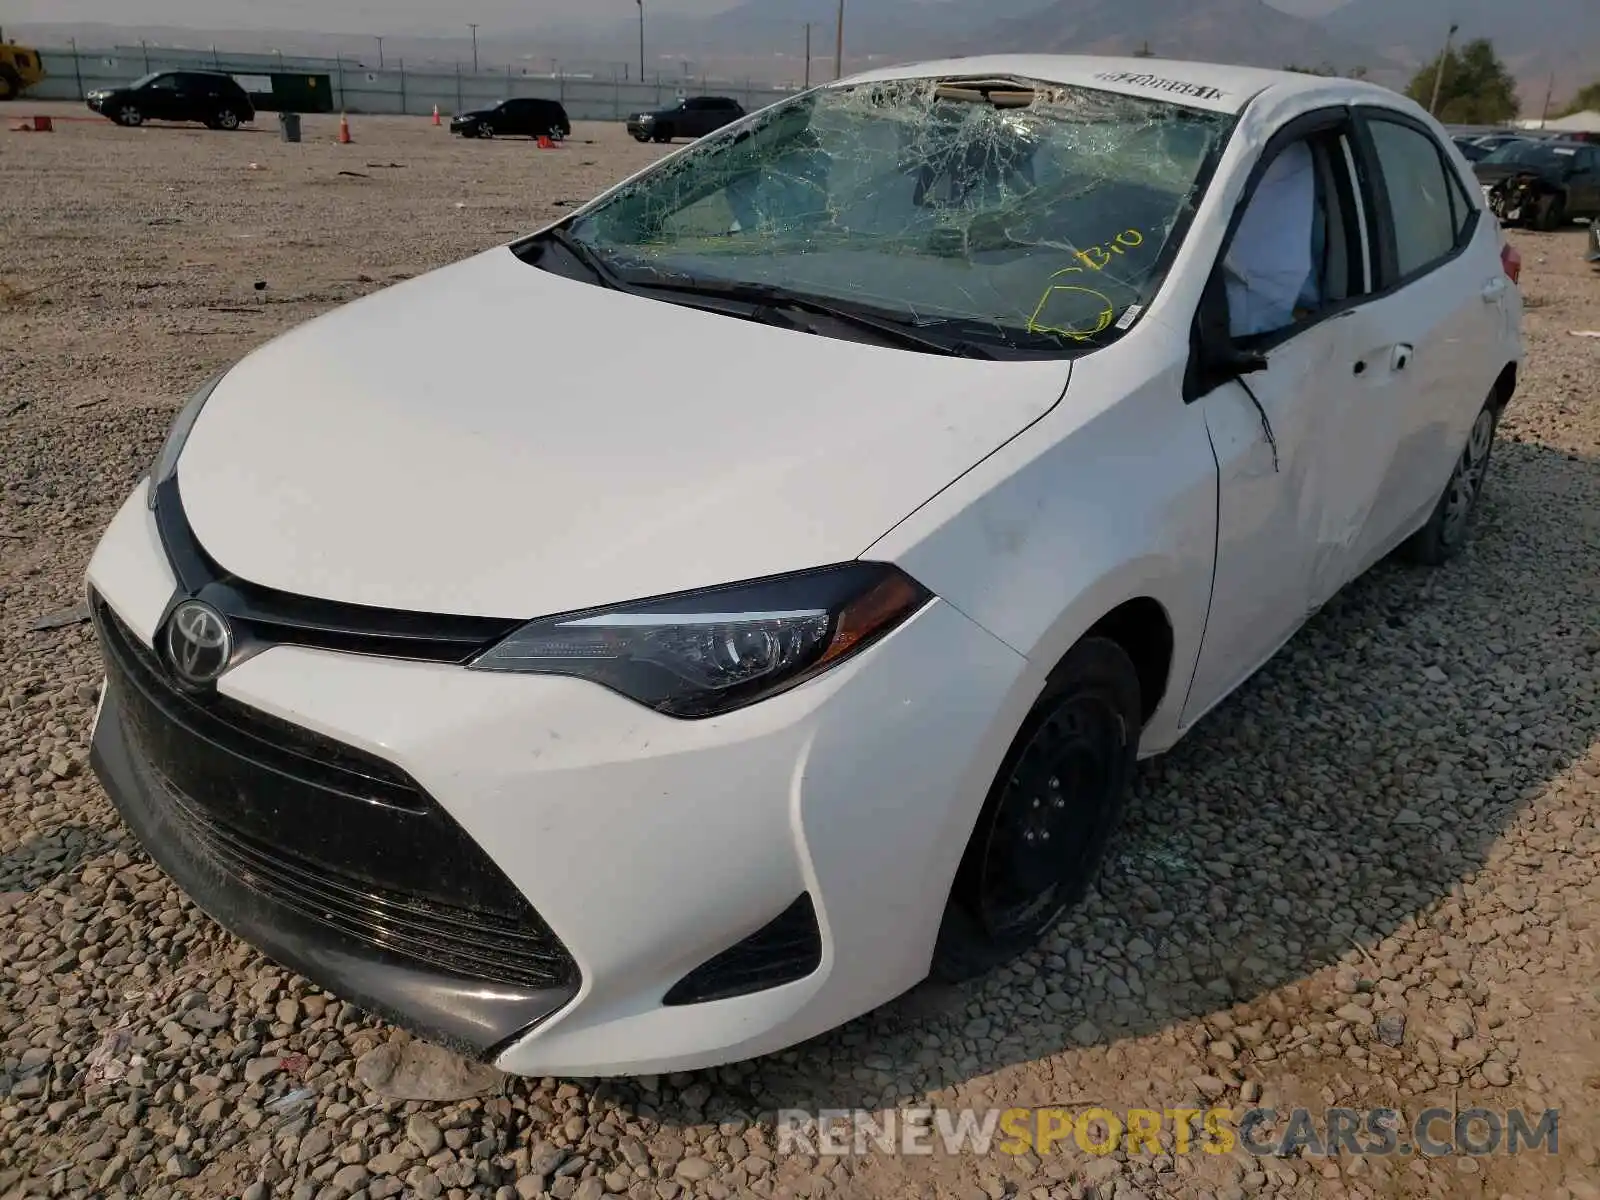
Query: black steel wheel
(1050, 815)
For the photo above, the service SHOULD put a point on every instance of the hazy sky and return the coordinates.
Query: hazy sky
(397, 16)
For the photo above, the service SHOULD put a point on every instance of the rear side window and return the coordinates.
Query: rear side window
(1431, 212)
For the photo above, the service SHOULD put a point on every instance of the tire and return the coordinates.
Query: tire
(661, 135)
(485, 131)
(10, 84)
(1549, 213)
(226, 119)
(1443, 537)
(641, 137)
(130, 116)
(1066, 778)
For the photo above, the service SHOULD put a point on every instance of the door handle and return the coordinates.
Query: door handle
(1494, 289)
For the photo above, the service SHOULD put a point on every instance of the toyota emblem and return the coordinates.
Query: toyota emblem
(199, 643)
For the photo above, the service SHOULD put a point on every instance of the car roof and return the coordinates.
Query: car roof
(1214, 86)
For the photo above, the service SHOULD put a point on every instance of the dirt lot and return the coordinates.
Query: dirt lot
(1368, 880)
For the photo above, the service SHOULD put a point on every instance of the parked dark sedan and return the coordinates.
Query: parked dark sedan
(691, 118)
(523, 116)
(209, 97)
(1542, 184)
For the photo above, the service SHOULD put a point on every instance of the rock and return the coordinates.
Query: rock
(258, 1069)
(1391, 1028)
(695, 1169)
(423, 1071)
(424, 1134)
(1496, 1073)
(589, 1189)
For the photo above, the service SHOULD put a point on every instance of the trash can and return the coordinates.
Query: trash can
(289, 123)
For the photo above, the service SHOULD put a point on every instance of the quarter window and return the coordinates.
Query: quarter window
(1431, 213)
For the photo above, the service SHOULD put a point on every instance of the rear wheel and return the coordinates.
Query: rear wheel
(226, 118)
(1049, 816)
(130, 116)
(1443, 537)
(1549, 212)
(10, 84)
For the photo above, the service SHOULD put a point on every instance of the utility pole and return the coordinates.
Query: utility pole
(641, 41)
(380, 54)
(838, 45)
(1549, 91)
(808, 54)
(1438, 76)
(474, 29)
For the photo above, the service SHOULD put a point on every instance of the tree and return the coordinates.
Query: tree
(1476, 88)
(1587, 99)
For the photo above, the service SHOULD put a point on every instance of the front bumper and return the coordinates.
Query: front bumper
(644, 846)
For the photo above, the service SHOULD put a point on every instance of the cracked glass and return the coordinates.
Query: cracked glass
(1017, 212)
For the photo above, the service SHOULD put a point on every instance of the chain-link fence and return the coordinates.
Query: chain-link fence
(358, 88)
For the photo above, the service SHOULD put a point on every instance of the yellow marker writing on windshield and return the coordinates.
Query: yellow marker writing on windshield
(1099, 257)
(1103, 321)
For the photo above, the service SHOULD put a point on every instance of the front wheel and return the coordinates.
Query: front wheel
(662, 135)
(1443, 537)
(485, 131)
(130, 116)
(1049, 815)
(10, 83)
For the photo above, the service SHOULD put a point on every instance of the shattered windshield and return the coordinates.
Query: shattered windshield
(1041, 214)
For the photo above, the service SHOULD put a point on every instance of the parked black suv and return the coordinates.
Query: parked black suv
(524, 115)
(210, 97)
(691, 118)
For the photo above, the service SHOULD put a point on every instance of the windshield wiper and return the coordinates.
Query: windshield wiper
(597, 266)
(778, 299)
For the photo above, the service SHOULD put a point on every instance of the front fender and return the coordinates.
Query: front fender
(1110, 497)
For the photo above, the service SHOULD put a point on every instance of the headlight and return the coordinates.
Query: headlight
(646, 118)
(167, 461)
(699, 654)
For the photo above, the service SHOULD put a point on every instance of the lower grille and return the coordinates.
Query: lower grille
(326, 831)
(787, 948)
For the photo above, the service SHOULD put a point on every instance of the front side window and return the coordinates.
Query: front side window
(1420, 195)
(1038, 212)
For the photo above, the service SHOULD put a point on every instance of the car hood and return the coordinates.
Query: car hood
(494, 440)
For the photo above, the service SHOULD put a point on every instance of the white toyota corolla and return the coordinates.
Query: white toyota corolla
(757, 592)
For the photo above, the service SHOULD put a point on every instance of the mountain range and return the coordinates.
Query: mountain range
(1551, 46)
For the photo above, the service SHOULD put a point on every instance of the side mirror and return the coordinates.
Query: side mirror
(1215, 357)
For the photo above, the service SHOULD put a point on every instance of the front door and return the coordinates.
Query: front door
(1300, 437)
(159, 99)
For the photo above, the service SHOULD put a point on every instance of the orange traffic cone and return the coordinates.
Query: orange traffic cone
(545, 143)
(344, 130)
(436, 114)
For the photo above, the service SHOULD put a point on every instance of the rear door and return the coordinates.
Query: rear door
(1435, 328)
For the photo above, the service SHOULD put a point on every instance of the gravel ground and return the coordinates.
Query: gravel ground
(1368, 879)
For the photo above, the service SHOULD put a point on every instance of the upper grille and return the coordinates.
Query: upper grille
(325, 830)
